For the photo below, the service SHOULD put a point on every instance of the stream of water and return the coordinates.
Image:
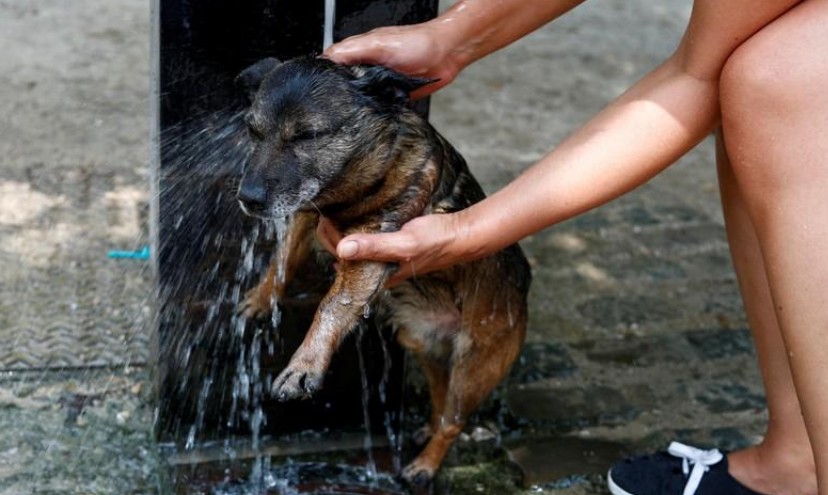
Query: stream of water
(212, 255)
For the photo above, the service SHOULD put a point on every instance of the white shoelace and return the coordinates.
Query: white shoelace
(699, 459)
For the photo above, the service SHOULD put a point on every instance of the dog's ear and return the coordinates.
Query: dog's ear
(387, 85)
(251, 78)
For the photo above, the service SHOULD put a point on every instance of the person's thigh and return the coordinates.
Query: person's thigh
(786, 62)
(774, 101)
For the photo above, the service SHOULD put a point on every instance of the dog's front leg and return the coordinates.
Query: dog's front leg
(356, 285)
(258, 301)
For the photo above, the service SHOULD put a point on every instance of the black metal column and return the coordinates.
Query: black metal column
(207, 253)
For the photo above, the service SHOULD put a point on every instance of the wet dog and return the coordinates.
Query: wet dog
(341, 141)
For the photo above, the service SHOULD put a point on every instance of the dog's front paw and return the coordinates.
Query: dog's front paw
(298, 380)
(256, 304)
(419, 473)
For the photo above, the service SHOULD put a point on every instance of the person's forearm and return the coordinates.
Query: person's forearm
(641, 133)
(630, 141)
(475, 28)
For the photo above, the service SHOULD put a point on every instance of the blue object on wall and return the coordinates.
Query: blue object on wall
(141, 254)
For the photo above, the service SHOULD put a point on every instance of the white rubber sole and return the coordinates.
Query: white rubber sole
(613, 488)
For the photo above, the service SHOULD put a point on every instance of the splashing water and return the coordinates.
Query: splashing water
(370, 467)
(394, 439)
(217, 364)
(209, 255)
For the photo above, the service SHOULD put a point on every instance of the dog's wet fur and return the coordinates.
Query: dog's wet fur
(341, 141)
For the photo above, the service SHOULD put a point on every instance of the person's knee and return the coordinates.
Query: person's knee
(755, 91)
(752, 82)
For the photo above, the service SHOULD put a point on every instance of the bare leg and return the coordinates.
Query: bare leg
(783, 462)
(775, 119)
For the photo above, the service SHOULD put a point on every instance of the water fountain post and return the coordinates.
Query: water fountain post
(206, 253)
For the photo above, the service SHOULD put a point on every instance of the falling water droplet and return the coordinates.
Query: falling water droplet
(370, 465)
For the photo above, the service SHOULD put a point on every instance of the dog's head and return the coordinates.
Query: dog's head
(310, 120)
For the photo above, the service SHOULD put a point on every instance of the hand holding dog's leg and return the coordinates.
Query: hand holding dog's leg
(355, 286)
(423, 245)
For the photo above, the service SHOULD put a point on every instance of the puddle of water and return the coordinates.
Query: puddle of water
(317, 478)
(544, 461)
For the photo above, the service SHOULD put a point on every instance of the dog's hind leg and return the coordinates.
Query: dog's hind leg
(483, 353)
(436, 373)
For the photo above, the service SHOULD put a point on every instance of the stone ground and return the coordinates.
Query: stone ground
(637, 334)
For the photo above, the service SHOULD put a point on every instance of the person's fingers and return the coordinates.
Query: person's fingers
(393, 247)
(411, 50)
(344, 53)
(359, 49)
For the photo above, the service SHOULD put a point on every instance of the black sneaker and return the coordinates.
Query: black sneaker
(682, 470)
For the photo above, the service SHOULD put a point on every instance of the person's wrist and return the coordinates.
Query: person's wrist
(460, 241)
(453, 51)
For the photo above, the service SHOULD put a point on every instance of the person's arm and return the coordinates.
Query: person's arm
(442, 47)
(638, 135)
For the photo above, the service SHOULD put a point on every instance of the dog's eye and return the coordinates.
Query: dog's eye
(253, 129)
(305, 135)
(255, 134)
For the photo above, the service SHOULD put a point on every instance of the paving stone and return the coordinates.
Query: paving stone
(644, 266)
(722, 438)
(639, 215)
(488, 477)
(679, 213)
(729, 439)
(719, 343)
(578, 403)
(573, 485)
(591, 221)
(685, 238)
(563, 461)
(724, 302)
(542, 360)
(643, 351)
(714, 265)
(627, 309)
(730, 397)
(106, 447)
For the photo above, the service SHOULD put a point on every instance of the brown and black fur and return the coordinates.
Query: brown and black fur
(340, 141)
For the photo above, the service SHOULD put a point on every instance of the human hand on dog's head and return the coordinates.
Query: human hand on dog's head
(416, 50)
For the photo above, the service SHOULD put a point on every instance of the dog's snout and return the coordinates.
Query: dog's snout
(252, 193)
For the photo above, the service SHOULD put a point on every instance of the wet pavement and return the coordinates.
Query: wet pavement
(637, 335)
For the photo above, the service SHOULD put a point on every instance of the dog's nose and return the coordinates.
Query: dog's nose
(252, 193)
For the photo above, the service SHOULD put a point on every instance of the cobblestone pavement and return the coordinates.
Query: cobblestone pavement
(74, 152)
(637, 334)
